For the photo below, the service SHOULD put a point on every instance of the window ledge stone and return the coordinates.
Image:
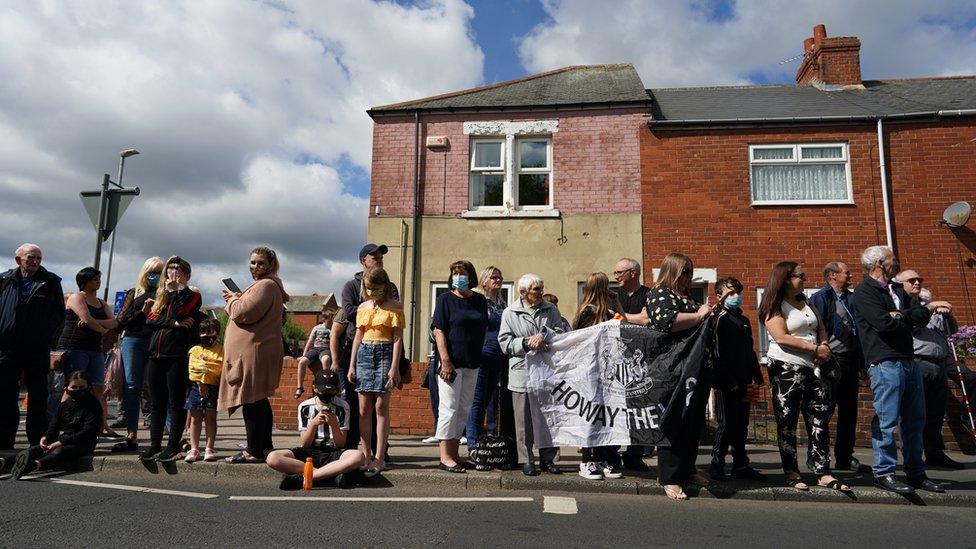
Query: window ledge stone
(507, 213)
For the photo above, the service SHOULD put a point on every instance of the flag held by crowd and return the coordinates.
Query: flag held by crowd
(614, 384)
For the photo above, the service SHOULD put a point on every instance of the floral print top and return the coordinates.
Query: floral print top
(663, 306)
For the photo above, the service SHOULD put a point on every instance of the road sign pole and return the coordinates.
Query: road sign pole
(111, 246)
(102, 210)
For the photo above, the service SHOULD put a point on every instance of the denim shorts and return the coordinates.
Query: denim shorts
(195, 401)
(92, 363)
(373, 366)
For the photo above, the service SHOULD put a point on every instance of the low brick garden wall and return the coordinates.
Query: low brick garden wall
(411, 411)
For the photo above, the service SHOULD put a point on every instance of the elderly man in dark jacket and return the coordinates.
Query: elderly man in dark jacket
(31, 316)
(885, 316)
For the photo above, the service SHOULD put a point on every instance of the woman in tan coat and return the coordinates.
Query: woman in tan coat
(253, 353)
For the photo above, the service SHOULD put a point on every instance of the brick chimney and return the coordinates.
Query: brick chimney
(832, 61)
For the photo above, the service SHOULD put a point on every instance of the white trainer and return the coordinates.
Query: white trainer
(590, 471)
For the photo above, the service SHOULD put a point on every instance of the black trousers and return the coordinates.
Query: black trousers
(258, 421)
(675, 463)
(935, 384)
(968, 383)
(732, 413)
(63, 457)
(33, 365)
(506, 411)
(845, 393)
(168, 380)
(597, 453)
(799, 392)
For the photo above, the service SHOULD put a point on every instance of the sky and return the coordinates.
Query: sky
(250, 117)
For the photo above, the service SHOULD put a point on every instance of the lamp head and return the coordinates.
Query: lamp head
(128, 152)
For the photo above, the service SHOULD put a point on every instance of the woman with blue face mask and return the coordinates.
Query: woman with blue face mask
(134, 347)
(736, 367)
(460, 323)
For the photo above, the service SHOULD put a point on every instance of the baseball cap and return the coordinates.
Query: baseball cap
(326, 381)
(371, 249)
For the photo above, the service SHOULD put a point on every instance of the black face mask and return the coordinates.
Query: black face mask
(325, 396)
(77, 393)
(208, 341)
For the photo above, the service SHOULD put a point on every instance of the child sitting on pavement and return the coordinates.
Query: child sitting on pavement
(201, 400)
(72, 434)
(323, 422)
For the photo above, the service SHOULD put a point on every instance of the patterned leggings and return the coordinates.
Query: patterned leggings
(796, 390)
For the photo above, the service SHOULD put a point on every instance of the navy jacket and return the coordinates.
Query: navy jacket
(34, 325)
(825, 301)
(882, 336)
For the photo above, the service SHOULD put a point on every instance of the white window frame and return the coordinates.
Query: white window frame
(519, 170)
(798, 159)
(482, 170)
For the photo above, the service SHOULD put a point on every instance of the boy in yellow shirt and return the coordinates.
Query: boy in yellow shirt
(201, 400)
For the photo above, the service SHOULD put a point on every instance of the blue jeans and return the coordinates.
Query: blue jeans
(899, 400)
(485, 392)
(134, 353)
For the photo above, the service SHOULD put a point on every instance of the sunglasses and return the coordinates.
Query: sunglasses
(801, 276)
(495, 278)
(915, 280)
(687, 271)
(618, 273)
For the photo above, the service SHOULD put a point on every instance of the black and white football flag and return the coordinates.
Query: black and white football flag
(614, 384)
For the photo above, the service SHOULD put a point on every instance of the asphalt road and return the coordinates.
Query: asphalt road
(41, 513)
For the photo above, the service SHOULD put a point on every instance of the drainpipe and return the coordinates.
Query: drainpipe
(885, 197)
(414, 283)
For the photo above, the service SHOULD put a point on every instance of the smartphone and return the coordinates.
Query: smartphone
(231, 285)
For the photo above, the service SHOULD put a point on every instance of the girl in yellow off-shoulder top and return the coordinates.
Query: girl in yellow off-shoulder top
(376, 352)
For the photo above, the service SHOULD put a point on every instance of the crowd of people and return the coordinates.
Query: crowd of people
(889, 331)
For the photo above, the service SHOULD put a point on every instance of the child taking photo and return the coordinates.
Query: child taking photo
(201, 400)
(323, 422)
(72, 434)
(376, 352)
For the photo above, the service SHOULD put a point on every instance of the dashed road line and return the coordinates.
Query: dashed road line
(559, 505)
(143, 489)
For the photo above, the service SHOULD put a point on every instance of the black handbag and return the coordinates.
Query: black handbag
(494, 452)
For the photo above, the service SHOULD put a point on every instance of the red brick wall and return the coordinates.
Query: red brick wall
(595, 155)
(696, 199)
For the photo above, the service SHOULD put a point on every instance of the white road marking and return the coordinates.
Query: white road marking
(379, 499)
(559, 506)
(143, 489)
(33, 476)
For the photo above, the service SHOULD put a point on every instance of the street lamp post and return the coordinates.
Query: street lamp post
(111, 247)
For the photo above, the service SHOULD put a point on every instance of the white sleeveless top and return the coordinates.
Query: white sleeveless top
(801, 324)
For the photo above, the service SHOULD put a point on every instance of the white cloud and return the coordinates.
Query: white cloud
(245, 114)
(684, 44)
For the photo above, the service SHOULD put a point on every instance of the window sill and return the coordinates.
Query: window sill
(497, 214)
(802, 203)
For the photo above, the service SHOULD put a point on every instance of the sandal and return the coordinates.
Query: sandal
(797, 484)
(209, 455)
(836, 484)
(298, 393)
(373, 468)
(191, 456)
(674, 491)
(239, 457)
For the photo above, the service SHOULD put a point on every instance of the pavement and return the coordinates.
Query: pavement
(414, 464)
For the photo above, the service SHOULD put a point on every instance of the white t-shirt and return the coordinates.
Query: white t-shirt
(310, 408)
(801, 324)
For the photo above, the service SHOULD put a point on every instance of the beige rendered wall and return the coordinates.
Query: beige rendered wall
(562, 251)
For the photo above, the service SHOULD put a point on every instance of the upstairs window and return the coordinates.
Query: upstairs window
(523, 183)
(811, 173)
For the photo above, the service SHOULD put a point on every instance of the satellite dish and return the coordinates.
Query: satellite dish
(956, 215)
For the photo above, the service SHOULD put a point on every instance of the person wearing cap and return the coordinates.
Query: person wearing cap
(323, 425)
(351, 297)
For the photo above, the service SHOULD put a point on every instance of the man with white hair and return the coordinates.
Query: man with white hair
(885, 315)
(933, 356)
(31, 316)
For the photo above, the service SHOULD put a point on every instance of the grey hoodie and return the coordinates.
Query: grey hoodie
(518, 323)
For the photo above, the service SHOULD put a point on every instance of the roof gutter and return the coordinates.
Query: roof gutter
(515, 108)
(807, 119)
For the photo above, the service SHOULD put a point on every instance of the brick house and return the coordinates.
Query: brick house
(741, 177)
(533, 175)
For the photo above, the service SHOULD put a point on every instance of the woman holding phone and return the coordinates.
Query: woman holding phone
(253, 351)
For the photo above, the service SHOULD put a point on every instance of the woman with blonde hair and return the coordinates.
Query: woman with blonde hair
(489, 397)
(171, 317)
(134, 346)
(671, 310)
(599, 304)
(253, 351)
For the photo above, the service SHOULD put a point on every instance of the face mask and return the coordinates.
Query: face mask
(733, 301)
(460, 282)
(76, 393)
(152, 280)
(208, 341)
(325, 396)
